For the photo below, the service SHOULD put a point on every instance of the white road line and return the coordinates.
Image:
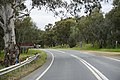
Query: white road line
(96, 72)
(47, 67)
(113, 59)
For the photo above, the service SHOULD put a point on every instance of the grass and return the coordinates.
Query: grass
(87, 47)
(18, 73)
(1, 59)
(96, 49)
(60, 46)
(1, 55)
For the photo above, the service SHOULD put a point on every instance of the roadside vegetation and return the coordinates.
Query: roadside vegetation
(24, 70)
(97, 49)
(87, 47)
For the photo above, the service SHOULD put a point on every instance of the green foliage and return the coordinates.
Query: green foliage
(1, 55)
(114, 25)
(59, 33)
(62, 30)
(72, 7)
(72, 40)
(26, 31)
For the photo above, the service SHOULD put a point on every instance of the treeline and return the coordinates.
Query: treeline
(95, 29)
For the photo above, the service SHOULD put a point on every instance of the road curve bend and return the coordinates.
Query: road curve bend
(75, 65)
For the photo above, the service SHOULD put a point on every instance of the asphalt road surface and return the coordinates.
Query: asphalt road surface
(76, 65)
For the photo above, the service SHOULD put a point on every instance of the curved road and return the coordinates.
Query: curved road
(74, 65)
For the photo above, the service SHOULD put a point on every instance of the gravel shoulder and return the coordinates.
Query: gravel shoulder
(101, 53)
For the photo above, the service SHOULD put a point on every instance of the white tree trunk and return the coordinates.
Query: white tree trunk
(9, 36)
(8, 26)
(7, 23)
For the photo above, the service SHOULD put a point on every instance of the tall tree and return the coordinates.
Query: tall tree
(62, 30)
(48, 35)
(114, 23)
(24, 30)
(8, 12)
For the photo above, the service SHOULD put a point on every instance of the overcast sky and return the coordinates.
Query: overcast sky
(42, 17)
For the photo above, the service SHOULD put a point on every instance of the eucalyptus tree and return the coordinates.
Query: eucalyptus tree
(48, 35)
(8, 12)
(97, 28)
(83, 27)
(62, 30)
(26, 30)
(91, 28)
(114, 24)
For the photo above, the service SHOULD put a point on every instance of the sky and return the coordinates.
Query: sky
(42, 17)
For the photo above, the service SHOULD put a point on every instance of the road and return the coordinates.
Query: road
(76, 65)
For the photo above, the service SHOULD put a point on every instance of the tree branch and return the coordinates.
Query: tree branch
(23, 16)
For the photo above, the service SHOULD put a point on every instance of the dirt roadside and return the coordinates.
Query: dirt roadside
(101, 53)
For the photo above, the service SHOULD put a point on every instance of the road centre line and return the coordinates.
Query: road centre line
(47, 67)
(58, 51)
(96, 72)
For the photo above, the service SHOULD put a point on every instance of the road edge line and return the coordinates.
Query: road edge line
(47, 67)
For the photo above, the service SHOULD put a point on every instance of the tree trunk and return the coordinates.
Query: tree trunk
(100, 44)
(7, 15)
(9, 39)
(92, 44)
(80, 44)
